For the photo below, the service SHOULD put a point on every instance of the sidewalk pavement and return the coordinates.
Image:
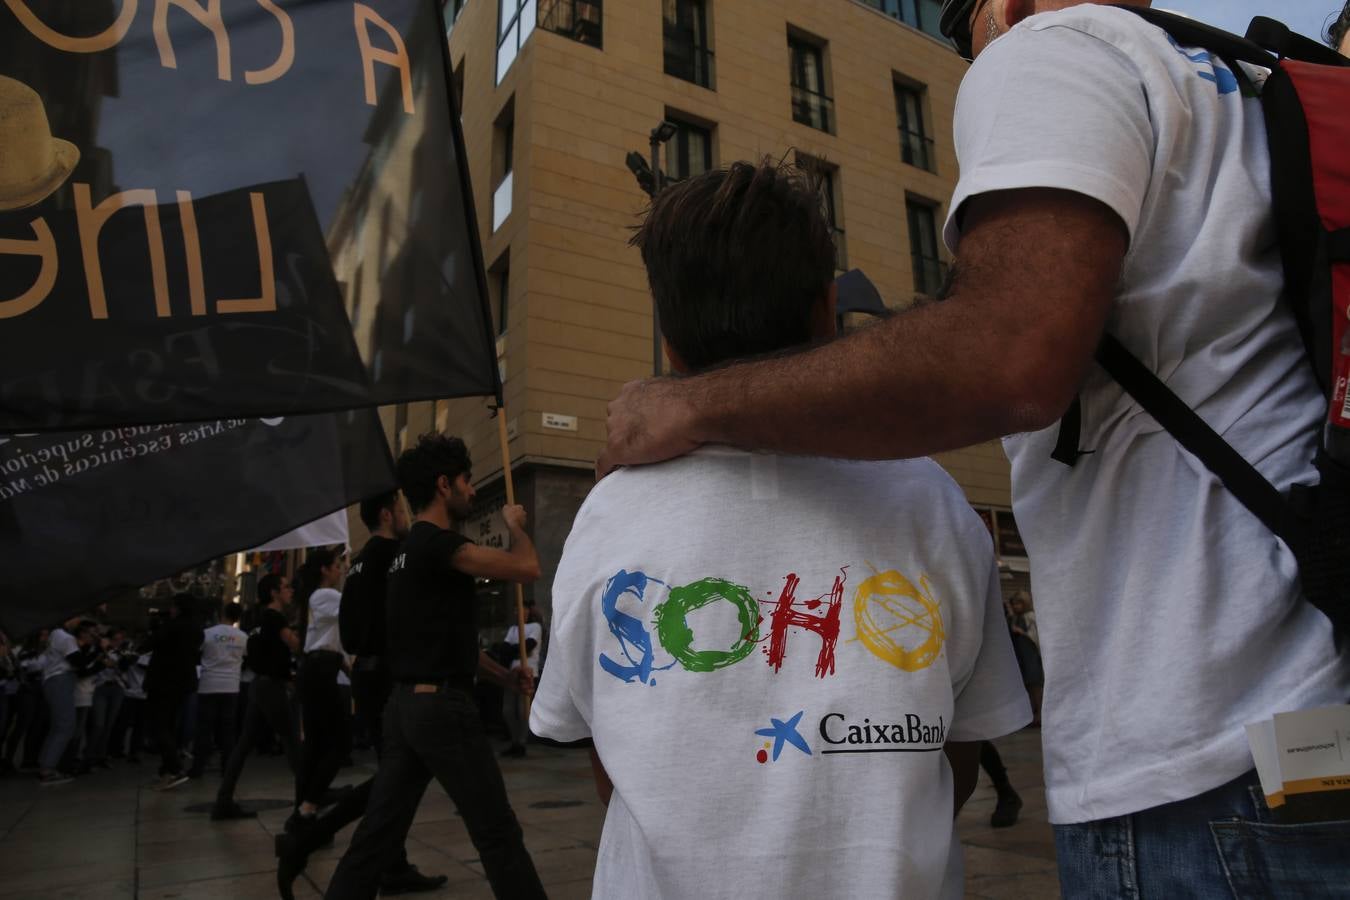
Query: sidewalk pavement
(107, 836)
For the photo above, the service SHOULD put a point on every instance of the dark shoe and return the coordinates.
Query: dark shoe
(410, 881)
(54, 778)
(290, 863)
(335, 795)
(514, 751)
(297, 823)
(224, 812)
(1006, 810)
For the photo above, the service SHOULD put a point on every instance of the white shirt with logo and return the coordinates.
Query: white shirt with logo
(60, 644)
(1169, 616)
(534, 631)
(770, 653)
(222, 658)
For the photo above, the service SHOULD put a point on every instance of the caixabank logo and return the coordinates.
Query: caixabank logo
(839, 734)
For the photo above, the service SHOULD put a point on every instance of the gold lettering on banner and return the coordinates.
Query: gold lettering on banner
(267, 302)
(44, 246)
(192, 247)
(208, 17)
(286, 59)
(398, 58)
(91, 44)
(91, 220)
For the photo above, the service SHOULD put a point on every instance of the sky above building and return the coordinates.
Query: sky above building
(1308, 17)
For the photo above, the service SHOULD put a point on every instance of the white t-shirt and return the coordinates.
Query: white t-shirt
(60, 644)
(84, 691)
(1169, 616)
(223, 648)
(322, 631)
(533, 632)
(743, 637)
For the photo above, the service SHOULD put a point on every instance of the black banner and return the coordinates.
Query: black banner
(85, 516)
(249, 208)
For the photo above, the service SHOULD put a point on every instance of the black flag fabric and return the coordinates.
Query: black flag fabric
(237, 209)
(85, 516)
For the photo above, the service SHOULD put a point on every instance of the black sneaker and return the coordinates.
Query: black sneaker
(1006, 810)
(410, 881)
(290, 863)
(224, 812)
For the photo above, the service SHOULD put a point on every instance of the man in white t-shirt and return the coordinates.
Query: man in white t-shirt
(66, 654)
(772, 653)
(1111, 180)
(223, 647)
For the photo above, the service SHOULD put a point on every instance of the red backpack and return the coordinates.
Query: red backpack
(1306, 101)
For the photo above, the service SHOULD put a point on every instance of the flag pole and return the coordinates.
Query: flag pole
(511, 499)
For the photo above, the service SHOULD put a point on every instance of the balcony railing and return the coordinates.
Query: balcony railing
(687, 59)
(501, 201)
(812, 108)
(917, 150)
(929, 274)
(922, 14)
(580, 20)
(840, 249)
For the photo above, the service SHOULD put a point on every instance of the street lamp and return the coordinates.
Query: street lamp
(660, 135)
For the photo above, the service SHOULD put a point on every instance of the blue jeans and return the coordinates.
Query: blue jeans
(59, 692)
(1221, 844)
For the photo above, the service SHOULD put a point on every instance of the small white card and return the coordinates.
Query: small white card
(1313, 747)
(1261, 738)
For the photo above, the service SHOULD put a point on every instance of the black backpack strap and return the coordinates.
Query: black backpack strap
(1277, 38)
(1182, 422)
(1070, 432)
(1229, 46)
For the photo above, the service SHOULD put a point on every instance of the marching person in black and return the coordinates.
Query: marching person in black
(431, 726)
(362, 630)
(171, 678)
(269, 656)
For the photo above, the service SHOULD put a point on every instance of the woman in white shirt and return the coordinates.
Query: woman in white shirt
(327, 723)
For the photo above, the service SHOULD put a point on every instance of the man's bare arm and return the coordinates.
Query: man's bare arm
(519, 564)
(1006, 352)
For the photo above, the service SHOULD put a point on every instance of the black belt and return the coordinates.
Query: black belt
(433, 685)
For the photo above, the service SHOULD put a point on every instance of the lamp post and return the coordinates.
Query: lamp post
(661, 134)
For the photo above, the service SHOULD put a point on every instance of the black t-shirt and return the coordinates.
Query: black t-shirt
(267, 651)
(175, 654)
(361, 617)
(433, 632)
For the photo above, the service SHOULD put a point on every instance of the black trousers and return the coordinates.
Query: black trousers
(215, 726)
(268, 705)
(324, 708)
(131, 720)
(165, 707)
(371, 684)
(436, 735)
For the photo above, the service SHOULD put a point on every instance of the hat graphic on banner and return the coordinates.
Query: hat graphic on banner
(33, 164)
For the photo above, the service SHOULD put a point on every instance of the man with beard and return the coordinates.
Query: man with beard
(362, 625)
(432, 727)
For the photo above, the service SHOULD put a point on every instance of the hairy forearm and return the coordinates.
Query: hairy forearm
(490, 669)
(522, 548)
(932, 379)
